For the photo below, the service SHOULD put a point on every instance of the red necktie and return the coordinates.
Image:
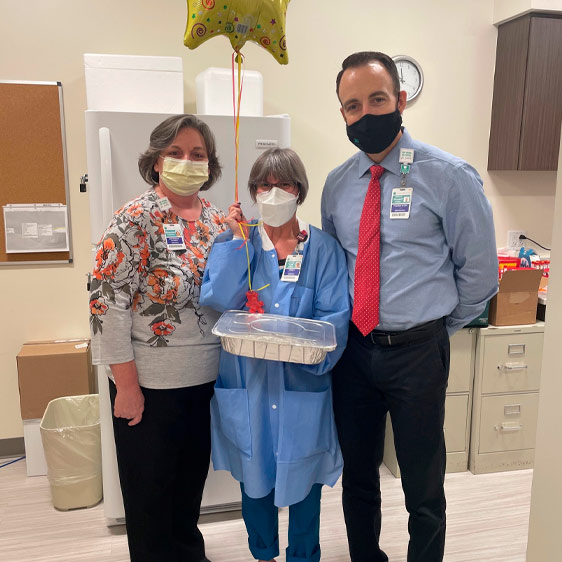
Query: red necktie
(367, 266)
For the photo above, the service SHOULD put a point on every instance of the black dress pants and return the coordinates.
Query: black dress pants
(163, 463)
(404, 373)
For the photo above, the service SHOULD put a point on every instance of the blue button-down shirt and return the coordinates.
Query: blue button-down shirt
(442, 260)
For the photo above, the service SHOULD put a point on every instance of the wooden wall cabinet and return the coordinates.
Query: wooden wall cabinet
(527, 104)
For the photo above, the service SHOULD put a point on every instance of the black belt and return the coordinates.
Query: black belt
(387, 339)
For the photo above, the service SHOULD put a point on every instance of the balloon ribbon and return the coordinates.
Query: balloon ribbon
(236, 110)
(252, 301)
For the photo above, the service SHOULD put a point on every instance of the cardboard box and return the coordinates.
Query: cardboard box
(48, 370)
(516, 301)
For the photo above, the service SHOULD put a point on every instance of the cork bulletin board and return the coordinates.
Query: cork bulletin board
(33, 167)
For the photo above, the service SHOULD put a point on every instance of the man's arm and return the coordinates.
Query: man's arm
(469, 229)
(327, 223)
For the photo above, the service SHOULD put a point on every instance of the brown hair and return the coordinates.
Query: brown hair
(163, 136)
(363, 58)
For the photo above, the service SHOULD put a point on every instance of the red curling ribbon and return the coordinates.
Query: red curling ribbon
(253, 303)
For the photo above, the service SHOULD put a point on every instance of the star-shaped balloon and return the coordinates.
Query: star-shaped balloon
(262, 21)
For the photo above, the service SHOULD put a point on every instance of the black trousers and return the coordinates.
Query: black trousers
(163, 463)
(405, 374)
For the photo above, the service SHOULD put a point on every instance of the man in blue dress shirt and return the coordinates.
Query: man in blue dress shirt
(438, 268)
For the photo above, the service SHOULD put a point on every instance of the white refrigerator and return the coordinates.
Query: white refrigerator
(114, 141)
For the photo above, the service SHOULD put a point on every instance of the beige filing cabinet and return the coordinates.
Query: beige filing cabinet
(506, 398)
(457, 406)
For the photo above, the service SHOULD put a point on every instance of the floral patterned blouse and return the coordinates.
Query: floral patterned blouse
(144, 300)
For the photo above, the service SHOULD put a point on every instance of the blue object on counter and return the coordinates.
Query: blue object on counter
(525, 256)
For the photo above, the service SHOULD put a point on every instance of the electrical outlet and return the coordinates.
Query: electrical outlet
(513, 238)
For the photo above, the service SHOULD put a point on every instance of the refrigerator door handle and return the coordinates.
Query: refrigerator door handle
(106, 175)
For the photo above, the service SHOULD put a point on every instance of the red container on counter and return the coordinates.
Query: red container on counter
(505, 263)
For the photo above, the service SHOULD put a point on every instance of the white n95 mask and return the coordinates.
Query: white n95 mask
(276, 206)
(183, 177)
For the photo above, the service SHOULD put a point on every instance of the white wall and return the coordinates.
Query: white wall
(453, 41)
(504, 10)
(546, 498)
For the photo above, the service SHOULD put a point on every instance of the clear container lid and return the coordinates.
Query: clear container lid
(270, 328)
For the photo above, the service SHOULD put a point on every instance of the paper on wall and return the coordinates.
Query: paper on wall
(36, 227)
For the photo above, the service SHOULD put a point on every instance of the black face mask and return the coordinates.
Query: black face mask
(373, 133)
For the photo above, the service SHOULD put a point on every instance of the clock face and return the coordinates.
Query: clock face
(410, 76)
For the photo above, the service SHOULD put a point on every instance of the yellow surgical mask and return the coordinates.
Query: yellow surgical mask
(184, 177)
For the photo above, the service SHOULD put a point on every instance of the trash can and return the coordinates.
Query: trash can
(70, 431)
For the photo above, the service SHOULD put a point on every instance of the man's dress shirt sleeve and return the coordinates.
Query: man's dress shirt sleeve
(469, 230)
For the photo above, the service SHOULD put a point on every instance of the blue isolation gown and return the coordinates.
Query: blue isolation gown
(272, 422)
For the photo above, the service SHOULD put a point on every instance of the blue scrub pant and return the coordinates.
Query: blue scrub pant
(261, 519)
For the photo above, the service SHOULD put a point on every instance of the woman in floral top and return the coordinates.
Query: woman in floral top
(155, 338)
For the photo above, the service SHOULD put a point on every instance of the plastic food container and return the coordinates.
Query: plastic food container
(279, 338)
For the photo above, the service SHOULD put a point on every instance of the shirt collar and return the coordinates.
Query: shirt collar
(391, 161)
(267, 244)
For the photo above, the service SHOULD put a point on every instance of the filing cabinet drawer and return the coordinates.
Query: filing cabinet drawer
(512, 363)
(508, 422)
(456, 419)
(462, 351)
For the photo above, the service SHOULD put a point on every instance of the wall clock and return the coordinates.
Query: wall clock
(410, 75)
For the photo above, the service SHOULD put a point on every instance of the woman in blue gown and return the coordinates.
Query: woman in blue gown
(272, 422)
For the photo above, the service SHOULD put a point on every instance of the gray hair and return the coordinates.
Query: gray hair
(164, 135)
(282, 163)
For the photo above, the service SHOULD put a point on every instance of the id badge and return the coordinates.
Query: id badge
(174, 237)
(292, 268)
(401, 203)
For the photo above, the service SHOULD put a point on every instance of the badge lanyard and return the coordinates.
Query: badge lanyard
(401, 202)
(293, 262)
